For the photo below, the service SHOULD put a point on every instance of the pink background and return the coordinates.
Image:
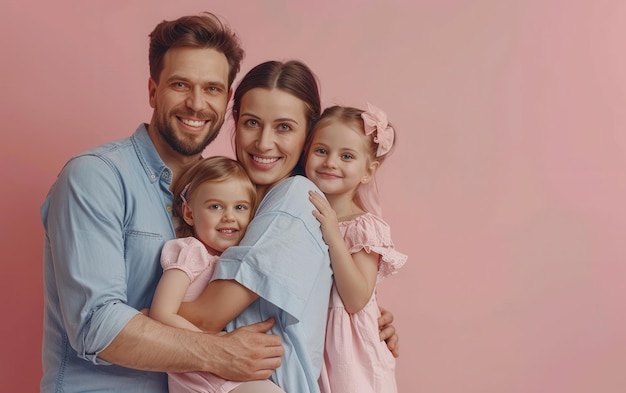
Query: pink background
(507, 189)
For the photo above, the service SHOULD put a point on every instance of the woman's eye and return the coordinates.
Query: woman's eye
(251, 123)
(284, 127)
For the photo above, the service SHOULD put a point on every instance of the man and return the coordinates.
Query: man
(107, 217)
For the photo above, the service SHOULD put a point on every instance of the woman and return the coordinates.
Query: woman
(281, 268)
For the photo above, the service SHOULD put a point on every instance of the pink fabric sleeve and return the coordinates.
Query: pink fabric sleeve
(187, 254)
(372, 234)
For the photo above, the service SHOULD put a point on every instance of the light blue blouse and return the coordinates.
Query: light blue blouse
(284, 260)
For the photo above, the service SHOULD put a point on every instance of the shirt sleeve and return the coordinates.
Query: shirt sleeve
(84, 226)
(282, 255)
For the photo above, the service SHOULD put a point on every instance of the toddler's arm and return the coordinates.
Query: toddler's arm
(168, 298)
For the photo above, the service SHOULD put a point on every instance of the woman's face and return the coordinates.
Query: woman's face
(270, 136)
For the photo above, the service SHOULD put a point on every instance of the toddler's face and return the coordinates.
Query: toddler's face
(219, 213)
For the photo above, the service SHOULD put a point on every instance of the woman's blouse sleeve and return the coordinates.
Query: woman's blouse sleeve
(187, 254)
(372, 234)
(282, 257)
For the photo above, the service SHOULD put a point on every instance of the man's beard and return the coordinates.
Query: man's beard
(188, 147)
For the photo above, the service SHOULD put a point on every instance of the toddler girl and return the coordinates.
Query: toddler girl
(214, 202)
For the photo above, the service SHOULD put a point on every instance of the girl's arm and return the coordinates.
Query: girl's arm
(354, 274)
(219, 303)
(168, 298)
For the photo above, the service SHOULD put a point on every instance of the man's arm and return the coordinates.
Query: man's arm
(245, 354)
(84, 223)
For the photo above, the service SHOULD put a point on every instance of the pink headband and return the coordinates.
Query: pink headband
(375, 121)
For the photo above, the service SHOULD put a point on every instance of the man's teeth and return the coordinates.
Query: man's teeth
(264, 160)
(193, 123)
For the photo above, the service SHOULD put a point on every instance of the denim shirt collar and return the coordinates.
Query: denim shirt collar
(149, 157)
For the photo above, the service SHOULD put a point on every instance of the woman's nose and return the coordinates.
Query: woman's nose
(266, 139)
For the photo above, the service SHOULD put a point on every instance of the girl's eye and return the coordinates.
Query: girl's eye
(241, 207)
(347, 156)
(319, 150)
(215, 206)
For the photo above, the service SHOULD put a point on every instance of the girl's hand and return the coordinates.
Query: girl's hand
(327, 218)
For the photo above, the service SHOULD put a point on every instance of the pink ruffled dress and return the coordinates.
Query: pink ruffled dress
(355, 360)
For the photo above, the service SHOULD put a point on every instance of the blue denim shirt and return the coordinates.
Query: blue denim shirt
(106, 219)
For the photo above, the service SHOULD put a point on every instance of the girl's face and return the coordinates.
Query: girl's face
(339, 159)
(219, 213)
(270, 136)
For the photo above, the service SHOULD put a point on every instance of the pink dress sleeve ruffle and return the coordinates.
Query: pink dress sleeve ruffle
(187, 254)
(372, 234)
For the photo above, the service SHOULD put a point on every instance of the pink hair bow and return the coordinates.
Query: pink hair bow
(375, 120)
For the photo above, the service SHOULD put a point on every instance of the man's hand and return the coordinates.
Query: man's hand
(245, 354)
(249, 353)
(388, 332)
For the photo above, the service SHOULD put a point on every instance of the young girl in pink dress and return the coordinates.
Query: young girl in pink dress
(214, 202)
(347, 148)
